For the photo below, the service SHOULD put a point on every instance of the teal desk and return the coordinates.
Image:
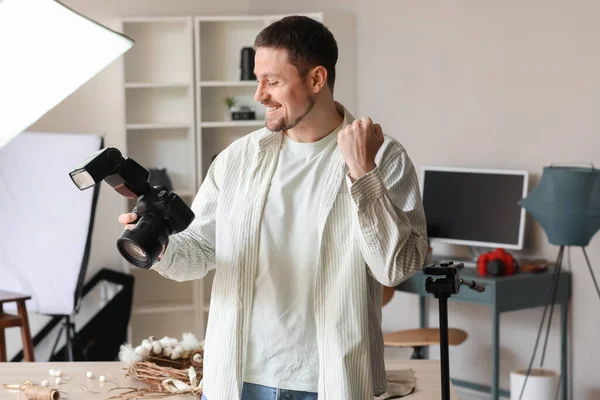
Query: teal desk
(503, 294)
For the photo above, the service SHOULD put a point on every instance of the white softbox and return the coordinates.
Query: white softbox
(47, 51)
(46, 221)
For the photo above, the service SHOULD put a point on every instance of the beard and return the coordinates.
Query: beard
(283, 125)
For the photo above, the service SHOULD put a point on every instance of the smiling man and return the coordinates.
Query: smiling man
(303, 220)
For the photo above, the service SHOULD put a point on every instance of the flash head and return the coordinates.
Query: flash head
(125, 175)
(96, 167)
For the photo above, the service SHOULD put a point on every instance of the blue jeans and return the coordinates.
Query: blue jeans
(251, 391)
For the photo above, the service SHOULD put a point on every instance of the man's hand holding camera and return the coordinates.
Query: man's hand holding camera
(128, 221)
(359, 142)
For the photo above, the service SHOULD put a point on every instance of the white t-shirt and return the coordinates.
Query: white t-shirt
(282, 347)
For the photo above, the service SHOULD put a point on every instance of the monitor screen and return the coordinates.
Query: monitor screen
(475, 207)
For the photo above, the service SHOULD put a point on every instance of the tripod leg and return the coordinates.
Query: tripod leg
(56, 341)
(587, 260)
(77, 345)
(564, 315)
(495, 353)
(555, 282)
(537, 340)
(69, 339)
(444, 358)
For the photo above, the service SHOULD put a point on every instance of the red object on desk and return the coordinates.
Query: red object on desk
(496, 263)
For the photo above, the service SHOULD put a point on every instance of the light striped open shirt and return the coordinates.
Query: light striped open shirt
(372, 232)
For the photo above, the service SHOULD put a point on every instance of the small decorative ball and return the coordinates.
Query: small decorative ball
(89, 374)
(59, 373)
(142, 351)
(52, 372)
(58, 380)
(156, 347)
(165, 342)
(45, 383)
(146, 343)
(102, 378)
(176, 354)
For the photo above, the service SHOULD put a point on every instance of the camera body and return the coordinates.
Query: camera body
(496, 263)
(160, 211)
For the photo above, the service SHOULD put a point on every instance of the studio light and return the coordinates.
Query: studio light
(47, 51)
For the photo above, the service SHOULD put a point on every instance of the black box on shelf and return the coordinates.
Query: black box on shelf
(242, 114)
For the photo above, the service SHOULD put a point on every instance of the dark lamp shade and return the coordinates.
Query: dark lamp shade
(566, 203)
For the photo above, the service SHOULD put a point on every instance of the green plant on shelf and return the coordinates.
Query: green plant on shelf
(230, 102)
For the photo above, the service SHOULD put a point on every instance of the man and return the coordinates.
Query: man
(303, 220)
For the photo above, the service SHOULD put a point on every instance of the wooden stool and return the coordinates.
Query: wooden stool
(9, 321)
(418, 339)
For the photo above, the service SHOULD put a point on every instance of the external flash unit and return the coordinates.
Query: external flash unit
(161, 212)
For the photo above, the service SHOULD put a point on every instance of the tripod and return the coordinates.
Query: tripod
(442, 289)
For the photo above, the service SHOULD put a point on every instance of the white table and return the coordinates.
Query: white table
(427, 373)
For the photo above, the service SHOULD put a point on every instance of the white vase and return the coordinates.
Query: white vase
(541, 384)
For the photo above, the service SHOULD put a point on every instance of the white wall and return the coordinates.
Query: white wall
(511, 84)
(502, 84)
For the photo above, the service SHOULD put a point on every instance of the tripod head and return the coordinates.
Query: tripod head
(450, 283)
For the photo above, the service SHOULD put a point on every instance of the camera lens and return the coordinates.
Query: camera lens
(134, 251)
(142, 245)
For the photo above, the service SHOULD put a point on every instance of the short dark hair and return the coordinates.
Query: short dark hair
(308, 43)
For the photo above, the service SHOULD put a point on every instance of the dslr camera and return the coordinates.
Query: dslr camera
(161, 212)
(497, 263)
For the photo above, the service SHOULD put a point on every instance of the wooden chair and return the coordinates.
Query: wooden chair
(9, 321)
(418, 339)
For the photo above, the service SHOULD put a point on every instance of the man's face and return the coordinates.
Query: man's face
(285, 94)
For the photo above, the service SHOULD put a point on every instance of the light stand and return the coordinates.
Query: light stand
(69, 328)
(442, 289)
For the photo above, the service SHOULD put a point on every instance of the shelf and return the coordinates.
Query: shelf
(148, 20)
(219, 44)
(135, 127)
(251, 84)
(163, 105)
(172, 149)
(162, 51)
(152, 85)
(231, 124)
(233, 18)
(166, 308)
(213, 106)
